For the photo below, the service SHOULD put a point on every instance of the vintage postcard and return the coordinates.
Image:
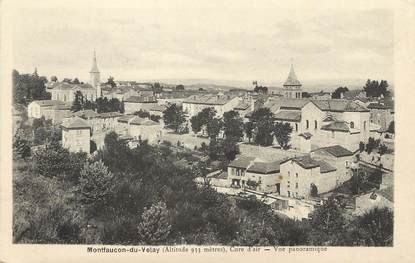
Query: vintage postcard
(210, 130)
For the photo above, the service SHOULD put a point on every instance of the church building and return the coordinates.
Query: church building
(65, 91)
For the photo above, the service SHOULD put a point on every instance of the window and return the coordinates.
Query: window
(364, 125)
(296, 175)
(64, 97)
(296, 185)
(288, 174)
(288, 193)
(307, 124)
(296, 127)
(315, 125)
(288, 184)
(332, 134)
(352, 125)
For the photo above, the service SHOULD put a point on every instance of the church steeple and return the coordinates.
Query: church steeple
(292, 79)
(95, 76)
(292, 86)
(94, 68)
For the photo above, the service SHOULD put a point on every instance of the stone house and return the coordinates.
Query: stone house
(145, 129)
(253, 173)
(76, 134)
(304, 177)
(221, 103)
(136, 103)
(54, 110)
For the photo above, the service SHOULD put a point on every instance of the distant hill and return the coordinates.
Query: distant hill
(225, 85)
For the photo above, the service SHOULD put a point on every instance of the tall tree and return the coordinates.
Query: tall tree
(175, 118)
(202, 119)
(157, 88)
(282, 132)
(78, 101)
(249, 130)
(264, 123)
(154, 227)
(28, 87)
(375, 89)
(376, 227)
(327, 222)
(233, 125)
(111, 82)
(337, 94)
(214, 127)
(95, 183)
(21, 145)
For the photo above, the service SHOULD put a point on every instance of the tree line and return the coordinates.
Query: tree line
(28, 87)
(100, 105)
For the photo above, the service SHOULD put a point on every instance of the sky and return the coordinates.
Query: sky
(235, 43)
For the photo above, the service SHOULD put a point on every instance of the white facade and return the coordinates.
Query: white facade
(193, 109)
(76, 140)
(297, 181)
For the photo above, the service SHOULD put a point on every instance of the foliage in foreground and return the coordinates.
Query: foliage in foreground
(143, 197)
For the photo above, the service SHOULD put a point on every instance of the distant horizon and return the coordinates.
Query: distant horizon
(308, 84)
(175, 42)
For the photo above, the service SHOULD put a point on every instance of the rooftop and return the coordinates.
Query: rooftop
(380, 106)
(241, 162)
(209, 99)
(110, 114)
(141, 121)
(141, 99)
(48, 103)
(242, 106)
(68, 86)
(307, 162)
(336, 151)
(336, 126)
(387, 193)
(264, 168)
(339, 105)
(86, 114)
(125, 118)
(277, 103)
(286, 115)
(75, 123)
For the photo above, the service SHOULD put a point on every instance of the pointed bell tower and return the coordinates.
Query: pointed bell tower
(95, 76)
(292, 86)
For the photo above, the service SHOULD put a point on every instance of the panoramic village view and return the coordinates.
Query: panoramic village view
(107, 160)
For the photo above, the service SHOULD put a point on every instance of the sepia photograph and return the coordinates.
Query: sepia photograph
(208, 125)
